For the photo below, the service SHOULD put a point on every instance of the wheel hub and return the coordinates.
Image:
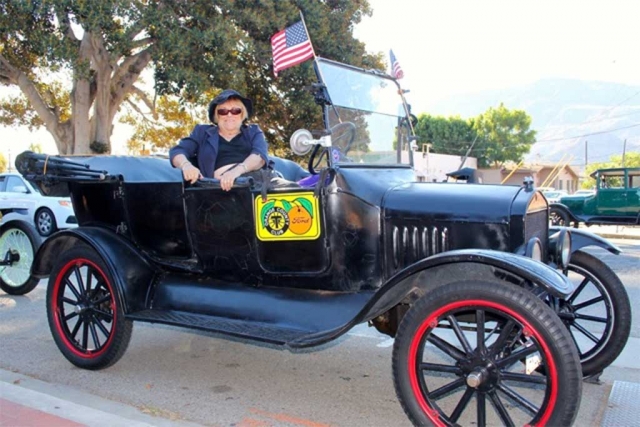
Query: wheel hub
(480, 373)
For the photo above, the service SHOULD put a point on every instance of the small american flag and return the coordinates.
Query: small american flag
(395, 66)
(290, 46)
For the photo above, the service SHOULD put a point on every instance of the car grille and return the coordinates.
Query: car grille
(536, 224)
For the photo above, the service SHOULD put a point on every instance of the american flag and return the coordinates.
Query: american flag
(395, 66)
(290, 46)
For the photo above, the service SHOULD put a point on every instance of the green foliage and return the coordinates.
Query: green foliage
(194, 46)
(631, 160)
(500, 135)
(3, 163)
(503, 135)
(173, 120)
(35, 147)
(451, 135)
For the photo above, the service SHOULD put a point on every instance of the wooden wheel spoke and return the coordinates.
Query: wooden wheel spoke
(447, 388)
(446, 347)
(459, 333)
(521, 400)
(502, 411)
(462, 404)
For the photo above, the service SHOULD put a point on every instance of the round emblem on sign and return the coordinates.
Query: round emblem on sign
(276, 221)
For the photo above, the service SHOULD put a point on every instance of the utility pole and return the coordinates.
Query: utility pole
(586, 157)
(624, 151)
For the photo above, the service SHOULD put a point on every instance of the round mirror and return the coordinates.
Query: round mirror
(300, 142)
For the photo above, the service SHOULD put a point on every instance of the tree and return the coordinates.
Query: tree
(631, 160)
(102, 48)
(3, 163)
(503, 135)
(451, 135)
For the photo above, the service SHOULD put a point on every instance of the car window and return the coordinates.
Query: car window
(13, 184)
(2, 182)
(635, 181)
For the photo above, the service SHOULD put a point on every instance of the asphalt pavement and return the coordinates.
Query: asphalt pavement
(26, 401)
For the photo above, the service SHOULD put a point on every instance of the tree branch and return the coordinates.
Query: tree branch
(138, 110)
(144, 98)
(14, 76)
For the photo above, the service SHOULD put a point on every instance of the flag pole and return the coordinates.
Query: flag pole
(315, 59)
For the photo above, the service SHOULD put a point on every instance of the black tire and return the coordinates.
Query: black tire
(45, 222)
(19, 240)
(85, 311)
(598, 313)
(559, 217)
(436, 382)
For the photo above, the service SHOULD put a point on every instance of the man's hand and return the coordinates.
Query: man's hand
(191, 173)
(228, 178)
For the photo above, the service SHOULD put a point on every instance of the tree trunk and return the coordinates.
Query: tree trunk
(81, 98)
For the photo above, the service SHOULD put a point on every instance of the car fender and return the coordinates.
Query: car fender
(582, 238)
(466, 264)
(16, 215)
(130, 270)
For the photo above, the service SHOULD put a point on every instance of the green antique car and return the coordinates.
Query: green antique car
(616, 201)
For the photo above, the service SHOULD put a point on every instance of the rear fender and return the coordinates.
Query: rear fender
(131, 271)
(582, 238)
(467, 264)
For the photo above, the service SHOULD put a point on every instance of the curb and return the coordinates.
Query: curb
(619, 236)
(37, 402)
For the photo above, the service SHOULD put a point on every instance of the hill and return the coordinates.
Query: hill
(584, 119)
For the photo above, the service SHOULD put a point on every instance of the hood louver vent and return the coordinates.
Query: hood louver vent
(412, 243)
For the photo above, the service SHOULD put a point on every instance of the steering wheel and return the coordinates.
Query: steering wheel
(350, 131)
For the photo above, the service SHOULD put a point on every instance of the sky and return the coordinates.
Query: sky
(453, 47)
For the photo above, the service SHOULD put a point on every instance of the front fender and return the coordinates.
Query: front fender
(129, 268)
(582, 238)
(453, 265)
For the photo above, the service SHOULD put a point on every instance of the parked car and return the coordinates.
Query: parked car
(456, 273)
(584, 193)
(555, 195)
(48, 214)
(615, 201)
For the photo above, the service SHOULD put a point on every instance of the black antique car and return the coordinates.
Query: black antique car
(457, 274)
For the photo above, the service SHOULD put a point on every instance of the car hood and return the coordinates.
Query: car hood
(451, 202)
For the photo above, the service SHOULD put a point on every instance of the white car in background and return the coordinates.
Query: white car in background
(47, 214)
(553, 196)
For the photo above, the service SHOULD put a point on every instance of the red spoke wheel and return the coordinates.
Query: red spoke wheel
(84, 310)
(479, 353)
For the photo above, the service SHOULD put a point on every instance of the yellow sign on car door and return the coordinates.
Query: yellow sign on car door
(287, 216)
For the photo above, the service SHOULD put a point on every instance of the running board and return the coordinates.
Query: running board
(274, 334)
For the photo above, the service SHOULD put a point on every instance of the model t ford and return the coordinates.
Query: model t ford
(456, 273)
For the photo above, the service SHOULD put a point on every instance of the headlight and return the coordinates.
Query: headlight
(534, 249)
(560, 248)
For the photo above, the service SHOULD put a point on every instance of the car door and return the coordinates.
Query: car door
(238, 235)
(612, 197)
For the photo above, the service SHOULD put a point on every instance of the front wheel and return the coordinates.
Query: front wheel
(18, 245)
(598, 313)
(472, 352)
(85, 311)
(559, 217)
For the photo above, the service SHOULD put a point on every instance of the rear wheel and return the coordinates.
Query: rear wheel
(485, 354)
(598, 313)
(85, 312)
(18, 245)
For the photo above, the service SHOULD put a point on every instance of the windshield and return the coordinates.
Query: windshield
(367, 116)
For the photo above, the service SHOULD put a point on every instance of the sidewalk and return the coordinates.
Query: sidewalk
(28, 402)
(614, 231)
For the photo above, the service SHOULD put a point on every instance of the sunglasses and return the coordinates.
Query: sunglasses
(233, 111)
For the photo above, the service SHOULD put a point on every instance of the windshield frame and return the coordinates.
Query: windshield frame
(383, 93)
